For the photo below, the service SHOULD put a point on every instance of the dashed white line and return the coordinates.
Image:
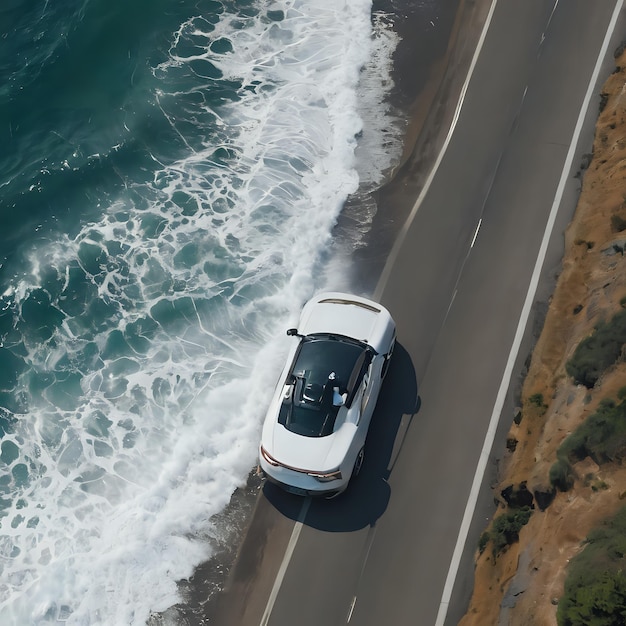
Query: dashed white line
(393, 255)
(351, 610)
(480, 221)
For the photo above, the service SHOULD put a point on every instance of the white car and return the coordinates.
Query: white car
(314, 432)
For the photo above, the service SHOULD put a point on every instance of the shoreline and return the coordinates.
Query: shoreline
(429, 115)
(427, 99)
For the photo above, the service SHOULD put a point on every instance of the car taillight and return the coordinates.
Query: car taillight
(269, 458)
(326, 477)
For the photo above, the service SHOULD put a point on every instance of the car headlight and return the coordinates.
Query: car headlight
(326, 477)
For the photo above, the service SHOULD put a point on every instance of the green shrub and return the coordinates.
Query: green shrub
(537, 400)
(595, 586)
(506, 527)
(599, 351)
(483, 541)
(601, 602)
(602, 436)
(562, 475)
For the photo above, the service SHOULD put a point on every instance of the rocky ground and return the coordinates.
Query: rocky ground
(522, 586)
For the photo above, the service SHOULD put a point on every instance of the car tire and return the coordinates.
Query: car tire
(358, 464)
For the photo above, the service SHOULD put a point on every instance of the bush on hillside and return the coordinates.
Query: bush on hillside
(602, 437)
(562, 475)
(595, 586)
(506, 527)
(598, 352)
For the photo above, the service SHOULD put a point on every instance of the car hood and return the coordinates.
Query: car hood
(316, 454)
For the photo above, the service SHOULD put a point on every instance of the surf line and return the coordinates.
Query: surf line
(521, 326)
(295, 534)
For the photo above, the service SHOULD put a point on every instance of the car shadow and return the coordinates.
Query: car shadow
(367, 496)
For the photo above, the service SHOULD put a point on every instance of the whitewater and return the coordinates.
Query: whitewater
(141, 340)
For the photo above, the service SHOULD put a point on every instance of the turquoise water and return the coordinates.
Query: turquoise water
(170, 174)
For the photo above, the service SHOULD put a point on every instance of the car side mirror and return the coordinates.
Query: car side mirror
(292, 331)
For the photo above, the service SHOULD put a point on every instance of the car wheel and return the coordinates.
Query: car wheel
(358, 463)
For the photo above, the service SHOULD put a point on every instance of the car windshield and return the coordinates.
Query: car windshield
(325, 375)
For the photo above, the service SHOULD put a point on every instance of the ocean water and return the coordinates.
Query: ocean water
(170, 175)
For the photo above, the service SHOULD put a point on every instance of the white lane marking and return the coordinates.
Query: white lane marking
(523, 98)
(369, 542)
(530, 296)
(351, 610)
(393, 255)
(556, 3)
(295, 534)
(480, 221)
(543, 35)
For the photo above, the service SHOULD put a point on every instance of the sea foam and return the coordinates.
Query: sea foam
(148, 341)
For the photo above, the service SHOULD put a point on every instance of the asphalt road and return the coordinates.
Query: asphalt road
(457, 284)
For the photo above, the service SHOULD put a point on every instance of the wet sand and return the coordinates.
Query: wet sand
(429, 73)
(430, 65)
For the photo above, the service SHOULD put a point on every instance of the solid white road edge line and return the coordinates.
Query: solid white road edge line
(295, 533)
(395, 250)
(530, 296)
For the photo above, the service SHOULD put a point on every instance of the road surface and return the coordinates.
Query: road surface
(461, 283)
